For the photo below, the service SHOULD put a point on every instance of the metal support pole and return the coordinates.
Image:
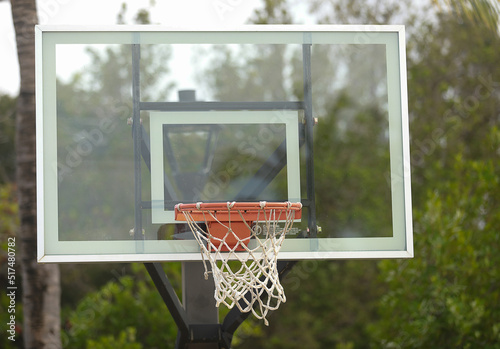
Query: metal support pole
(137, 137)
(207, 106)
(197, 293)
(169, 296)
(308, 114)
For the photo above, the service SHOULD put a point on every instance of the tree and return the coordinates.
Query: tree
(448, 296)
(127, 311)
(41, 290)
(453, 98)
(273, 12)
(486, 12)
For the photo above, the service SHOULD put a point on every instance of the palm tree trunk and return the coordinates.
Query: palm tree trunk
(41, 288)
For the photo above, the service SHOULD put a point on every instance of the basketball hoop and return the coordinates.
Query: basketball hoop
(241, 240)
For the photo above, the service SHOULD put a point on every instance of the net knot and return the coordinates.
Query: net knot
(198, 205)
(263, 204)
(230, 205)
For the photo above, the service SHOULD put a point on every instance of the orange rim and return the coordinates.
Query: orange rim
(242, 210)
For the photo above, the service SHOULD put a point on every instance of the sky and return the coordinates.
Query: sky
(173, 13)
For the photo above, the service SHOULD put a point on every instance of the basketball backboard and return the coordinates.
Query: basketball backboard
(133, 120)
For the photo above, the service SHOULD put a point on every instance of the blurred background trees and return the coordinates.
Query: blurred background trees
(447, 296)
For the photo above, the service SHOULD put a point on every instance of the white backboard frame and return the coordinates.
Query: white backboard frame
(50, 249)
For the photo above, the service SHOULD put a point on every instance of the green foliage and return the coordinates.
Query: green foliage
(477, 12)
(453, 98)
(350, 196)
(359, 12)
(236, 74)
(8, 211)
(102, 132)
(448, 296)
(128, 310)
(126, 340)
(273, 12)
(80, 279)
(143, 16)
(328, 305)
(7, 135)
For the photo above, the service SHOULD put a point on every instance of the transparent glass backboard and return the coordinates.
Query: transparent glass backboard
(133, 120)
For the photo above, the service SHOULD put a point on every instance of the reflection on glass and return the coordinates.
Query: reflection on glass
(95, 154)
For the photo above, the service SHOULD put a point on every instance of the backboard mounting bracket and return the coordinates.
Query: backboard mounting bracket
(220, 335)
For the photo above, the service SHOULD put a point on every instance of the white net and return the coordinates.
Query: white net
(241, 243)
